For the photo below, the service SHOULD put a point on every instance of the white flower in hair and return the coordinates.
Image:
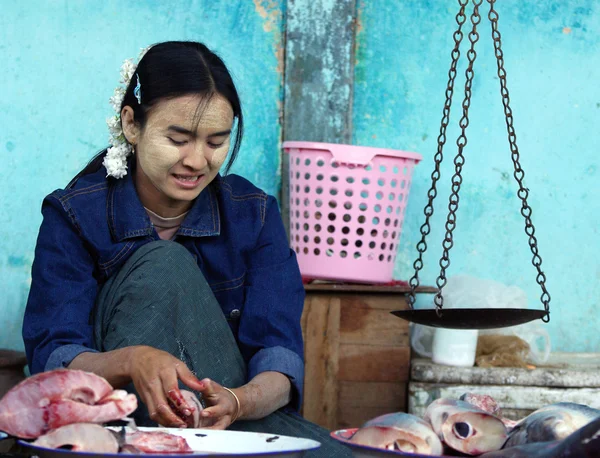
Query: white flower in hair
(117, 99)
(114, 127)
(127, 71)
(115, 160)
(143, 53)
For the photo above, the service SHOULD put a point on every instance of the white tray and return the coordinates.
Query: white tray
(206, 442)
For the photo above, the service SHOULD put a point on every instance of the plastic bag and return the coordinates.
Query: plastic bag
(463, 291)
(534, 334)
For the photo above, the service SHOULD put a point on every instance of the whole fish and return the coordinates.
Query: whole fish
(534, 450)
(583, 443)
(551, 423)
(399, 431)
(464, 427)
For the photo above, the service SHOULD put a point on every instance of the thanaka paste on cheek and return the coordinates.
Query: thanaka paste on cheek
(157, 155)
(217, 114)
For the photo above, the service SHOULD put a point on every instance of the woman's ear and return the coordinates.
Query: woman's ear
(131, 129)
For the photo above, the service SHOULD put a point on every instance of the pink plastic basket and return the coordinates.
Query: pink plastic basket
(346, 209)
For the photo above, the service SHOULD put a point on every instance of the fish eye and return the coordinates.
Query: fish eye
(462, 430)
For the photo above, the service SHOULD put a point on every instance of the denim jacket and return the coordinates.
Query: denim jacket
(234, 231)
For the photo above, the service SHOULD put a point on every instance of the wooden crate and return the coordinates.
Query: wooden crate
(357, 353)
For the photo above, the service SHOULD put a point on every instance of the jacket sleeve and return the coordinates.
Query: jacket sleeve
(270, 335)
(56, 325)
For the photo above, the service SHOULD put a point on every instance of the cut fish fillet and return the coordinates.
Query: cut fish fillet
(58, 398)
(157, 441)
(80, 437)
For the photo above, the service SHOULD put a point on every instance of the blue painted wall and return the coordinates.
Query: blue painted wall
(60, 64)
(552, 58)
(61, 61)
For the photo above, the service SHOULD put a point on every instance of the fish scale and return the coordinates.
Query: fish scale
(551, 423)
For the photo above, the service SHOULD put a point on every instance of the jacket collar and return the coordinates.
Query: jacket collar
(128, 219)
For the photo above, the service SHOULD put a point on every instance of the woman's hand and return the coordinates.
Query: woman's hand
(221, 406)
(155, 375)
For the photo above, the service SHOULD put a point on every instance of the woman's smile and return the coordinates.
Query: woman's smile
(188, 181)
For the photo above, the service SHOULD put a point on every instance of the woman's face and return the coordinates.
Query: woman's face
(177, 156)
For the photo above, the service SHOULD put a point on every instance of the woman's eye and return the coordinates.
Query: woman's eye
(216, 145)
(178, 143)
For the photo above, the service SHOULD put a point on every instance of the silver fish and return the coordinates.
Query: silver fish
(399, 431)
(583, 443)
(464, 427)
(537, 450)
(551, 423)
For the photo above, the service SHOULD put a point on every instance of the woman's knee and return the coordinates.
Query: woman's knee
(162, 263)
(157, 281)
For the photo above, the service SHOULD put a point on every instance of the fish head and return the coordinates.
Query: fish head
(464, 427)
(396, 439)
(401, 432)
(552, 422)
(473, 433)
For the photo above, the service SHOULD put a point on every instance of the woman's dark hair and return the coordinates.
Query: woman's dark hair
(173, 69)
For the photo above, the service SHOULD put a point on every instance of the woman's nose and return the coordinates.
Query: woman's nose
(196, 156)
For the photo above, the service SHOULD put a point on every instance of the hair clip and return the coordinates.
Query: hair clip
(138, 90)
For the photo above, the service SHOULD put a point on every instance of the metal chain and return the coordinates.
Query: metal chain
(519, 174)
(459, 161)
(435, 176)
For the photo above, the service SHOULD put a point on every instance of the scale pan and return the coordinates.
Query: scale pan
(471, 318)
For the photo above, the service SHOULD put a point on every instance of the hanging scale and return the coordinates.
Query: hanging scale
(472, 318)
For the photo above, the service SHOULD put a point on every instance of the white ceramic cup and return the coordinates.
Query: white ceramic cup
(454, 347)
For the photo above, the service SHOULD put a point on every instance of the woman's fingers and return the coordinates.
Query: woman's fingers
(156, 376)
(166, 416)
(170, 385)
(221, 405)
(187, 377)
(158, 407)
(222, 423)
(216, 411)
(209, 388)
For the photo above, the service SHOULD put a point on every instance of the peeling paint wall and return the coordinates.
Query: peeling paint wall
(60, 64)
(552, 57)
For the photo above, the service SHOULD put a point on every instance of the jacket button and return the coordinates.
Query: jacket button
(235, 313)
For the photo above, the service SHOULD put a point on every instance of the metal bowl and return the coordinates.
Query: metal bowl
(471, 318)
